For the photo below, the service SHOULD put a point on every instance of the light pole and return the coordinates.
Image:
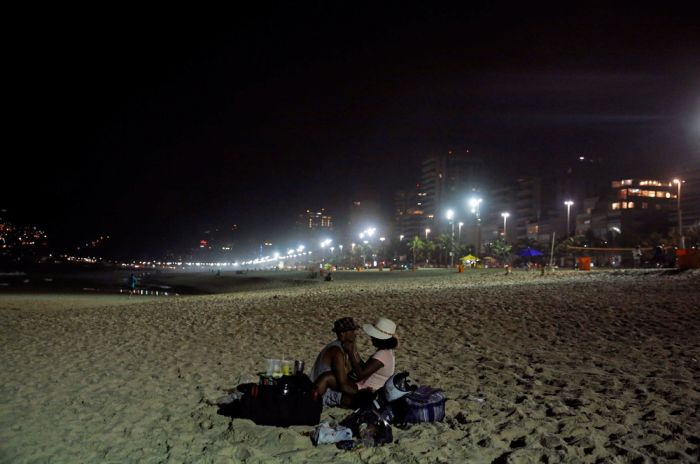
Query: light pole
(474, 203)
(450, 216)
(568, 204)
(460, 232)
(681, 238)
(505, 218)
(427, 231)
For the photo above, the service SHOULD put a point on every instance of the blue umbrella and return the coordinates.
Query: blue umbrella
(529, 253)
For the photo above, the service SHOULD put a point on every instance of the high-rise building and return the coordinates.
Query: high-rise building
(446, 181)
(635, 208)
(408, 212)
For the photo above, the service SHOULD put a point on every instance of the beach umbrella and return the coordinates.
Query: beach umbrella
(529, 253)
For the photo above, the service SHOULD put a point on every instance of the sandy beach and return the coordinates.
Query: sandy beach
(574, 367)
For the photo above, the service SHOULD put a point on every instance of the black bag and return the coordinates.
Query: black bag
(294, 400)
(368, 427)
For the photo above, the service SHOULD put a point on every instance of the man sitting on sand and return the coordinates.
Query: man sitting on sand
(333, 368)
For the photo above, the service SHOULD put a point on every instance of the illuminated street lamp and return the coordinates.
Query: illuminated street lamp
(450, 216)
(568, 204)
(505, 218)
(459, 239)
(681, 237)
(474, 203)
(427, 231)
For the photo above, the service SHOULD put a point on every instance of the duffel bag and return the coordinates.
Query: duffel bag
(425, 404)
(294, 400)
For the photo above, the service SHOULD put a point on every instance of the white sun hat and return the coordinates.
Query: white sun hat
(384, 329)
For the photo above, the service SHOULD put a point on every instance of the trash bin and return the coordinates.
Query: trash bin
(584, 263)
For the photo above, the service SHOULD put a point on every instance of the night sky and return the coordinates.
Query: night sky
(153, 128)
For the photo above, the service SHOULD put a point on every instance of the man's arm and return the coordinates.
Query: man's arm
(340, 372)
(362, 369)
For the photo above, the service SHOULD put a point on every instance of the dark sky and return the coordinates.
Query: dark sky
(152, 128)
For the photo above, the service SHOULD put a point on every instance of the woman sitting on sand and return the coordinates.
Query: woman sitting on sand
(381, 365)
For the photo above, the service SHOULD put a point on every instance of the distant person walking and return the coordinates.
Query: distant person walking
(132, 284)
(637, 256)
(659, 256)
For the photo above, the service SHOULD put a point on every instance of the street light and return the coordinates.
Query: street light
(681, 238)
(460, 232)
(474, 203)
(450, 216)
(505, 218)
(568, 204)
(427, 231)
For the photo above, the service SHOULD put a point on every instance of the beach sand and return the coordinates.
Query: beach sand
(598, 367)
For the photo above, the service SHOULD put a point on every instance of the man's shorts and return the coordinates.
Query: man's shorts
(332, 398)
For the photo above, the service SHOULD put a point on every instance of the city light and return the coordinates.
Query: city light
(450, 214)
(568, 204)
(681, 237)
(474, 203)
(505, 216)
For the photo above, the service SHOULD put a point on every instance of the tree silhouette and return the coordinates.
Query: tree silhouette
(416, 245)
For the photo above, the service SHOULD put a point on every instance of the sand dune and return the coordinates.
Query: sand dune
(572, 367)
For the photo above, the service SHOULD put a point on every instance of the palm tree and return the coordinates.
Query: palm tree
(415, 245)
(502, 250)
(443, 243)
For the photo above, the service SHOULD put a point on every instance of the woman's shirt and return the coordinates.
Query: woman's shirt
(377, 380)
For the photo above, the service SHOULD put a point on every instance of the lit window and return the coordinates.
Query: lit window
(616, 184)
(668, 195)
(622, 194)
(615, 206)
(633, 190)
(630, 204)
(627, 182)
